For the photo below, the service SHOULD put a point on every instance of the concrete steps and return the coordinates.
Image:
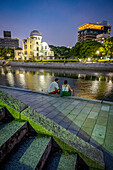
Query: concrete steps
(37, 153)
(60, 161)
(22, 148)
(66, 140)
(10, 136)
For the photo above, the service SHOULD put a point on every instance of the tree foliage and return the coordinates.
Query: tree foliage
(6, 53)
(107, 48)
(60, 51)
(85, 49)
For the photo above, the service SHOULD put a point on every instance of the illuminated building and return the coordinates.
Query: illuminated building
(8, 42)
(102, 37)
(34, 48)
(91, 31)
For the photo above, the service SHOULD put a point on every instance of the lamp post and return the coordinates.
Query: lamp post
(97, 52)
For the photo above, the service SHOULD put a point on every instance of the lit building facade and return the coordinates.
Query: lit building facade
(8, 42)
(102, 37)
(91, 31)
(34, 48)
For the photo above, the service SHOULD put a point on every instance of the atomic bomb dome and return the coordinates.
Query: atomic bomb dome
(35, 32)
(34, 48)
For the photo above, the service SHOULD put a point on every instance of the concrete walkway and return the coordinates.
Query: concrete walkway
(90, 120)
(87, 119)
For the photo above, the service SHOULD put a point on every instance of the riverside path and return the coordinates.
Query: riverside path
(91, 121)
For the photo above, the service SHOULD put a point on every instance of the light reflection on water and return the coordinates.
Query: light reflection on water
(93, 85)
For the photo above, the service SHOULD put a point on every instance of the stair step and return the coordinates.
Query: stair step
(12, 161)
(2, 112)
(53, 160)
(4, 122)
(37, 153)
(61, 161)
(5, 117)
(9, 130)
(67, 161)
(10, 135)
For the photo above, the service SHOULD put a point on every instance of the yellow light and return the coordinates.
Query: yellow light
(91, 26)
(98, 52)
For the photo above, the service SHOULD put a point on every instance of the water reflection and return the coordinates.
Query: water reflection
(22, 79)
(10, 78)
(94, 85)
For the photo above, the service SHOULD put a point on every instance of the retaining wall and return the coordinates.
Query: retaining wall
(76, 66)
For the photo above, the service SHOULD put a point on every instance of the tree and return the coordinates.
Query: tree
(107, 48)
(85, 49)
(60, 51)
(75, 51)
(7, 53)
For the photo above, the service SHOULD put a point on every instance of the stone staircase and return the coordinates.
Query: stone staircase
(22, 148)
(30, 140)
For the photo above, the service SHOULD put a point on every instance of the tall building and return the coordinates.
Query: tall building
(91, 31)
(34, 48)
(8, 42)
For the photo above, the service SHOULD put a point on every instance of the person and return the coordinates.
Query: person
(66, 89)
(54, 88)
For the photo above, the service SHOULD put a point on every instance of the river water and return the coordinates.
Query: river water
(85, 84)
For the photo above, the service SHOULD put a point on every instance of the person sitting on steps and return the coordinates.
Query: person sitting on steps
(54, 88)
(66, 89)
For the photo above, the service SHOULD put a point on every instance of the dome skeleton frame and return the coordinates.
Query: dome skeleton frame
(35, 32)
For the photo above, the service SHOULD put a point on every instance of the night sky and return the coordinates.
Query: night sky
(57, 20)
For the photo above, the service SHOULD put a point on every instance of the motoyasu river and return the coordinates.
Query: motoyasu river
(85, 84)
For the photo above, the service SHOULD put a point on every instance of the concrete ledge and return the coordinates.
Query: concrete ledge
(77, 66)
(91, 155)
(55, 95)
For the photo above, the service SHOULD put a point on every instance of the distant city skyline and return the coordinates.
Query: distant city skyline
(57, 20)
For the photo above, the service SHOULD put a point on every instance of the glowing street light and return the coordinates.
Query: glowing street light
(98, 52)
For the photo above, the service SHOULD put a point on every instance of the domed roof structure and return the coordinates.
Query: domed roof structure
(35, 32)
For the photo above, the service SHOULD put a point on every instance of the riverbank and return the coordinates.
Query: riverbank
(74, 66)
(69, 117)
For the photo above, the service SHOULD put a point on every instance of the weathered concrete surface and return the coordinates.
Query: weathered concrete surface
(55, 117)
(11, 135)
(77, 66)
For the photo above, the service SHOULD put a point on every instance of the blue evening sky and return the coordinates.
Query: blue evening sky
(57, 20)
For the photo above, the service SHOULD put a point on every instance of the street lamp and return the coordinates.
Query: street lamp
(98, 52)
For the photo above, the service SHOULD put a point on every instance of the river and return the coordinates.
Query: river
(85, 84)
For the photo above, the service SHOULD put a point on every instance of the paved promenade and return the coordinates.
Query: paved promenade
(90, 120)
(87, 119)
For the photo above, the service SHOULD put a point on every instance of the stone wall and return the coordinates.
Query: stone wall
(75, 66)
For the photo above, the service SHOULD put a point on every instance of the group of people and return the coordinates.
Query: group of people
(64, 91)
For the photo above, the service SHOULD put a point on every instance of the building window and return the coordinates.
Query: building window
(25, 52)
(25, 46)
(19, 53)
(34, 38)
(45, 53)
(30, 46)
(38, 38)
(85, 31)
(91, 31)
(37, 49)
(37, 43)
(45, 47)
